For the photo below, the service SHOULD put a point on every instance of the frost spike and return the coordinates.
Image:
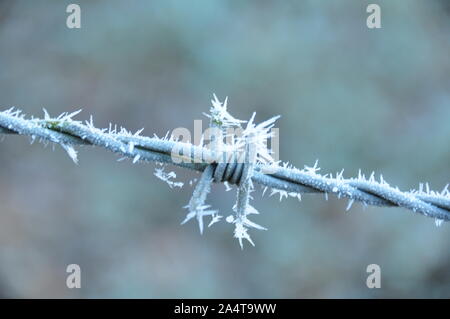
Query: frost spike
(71, 152)
(349, 205)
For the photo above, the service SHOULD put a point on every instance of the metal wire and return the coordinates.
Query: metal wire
(285, 180)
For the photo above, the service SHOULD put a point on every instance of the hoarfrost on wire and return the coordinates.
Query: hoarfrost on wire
(255, 135)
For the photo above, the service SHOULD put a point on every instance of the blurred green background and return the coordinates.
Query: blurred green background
(354, 98)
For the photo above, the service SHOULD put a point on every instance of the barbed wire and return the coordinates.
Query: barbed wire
(283, 179)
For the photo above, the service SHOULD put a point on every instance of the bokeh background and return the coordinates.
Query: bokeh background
(353, 98)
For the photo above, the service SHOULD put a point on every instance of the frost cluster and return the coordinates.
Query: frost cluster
(249, 146)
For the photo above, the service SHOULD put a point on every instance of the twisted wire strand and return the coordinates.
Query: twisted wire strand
(286, 180)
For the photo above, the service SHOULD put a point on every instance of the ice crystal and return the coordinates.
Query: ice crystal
(167, 177)
(219, 114)
(71, 152)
